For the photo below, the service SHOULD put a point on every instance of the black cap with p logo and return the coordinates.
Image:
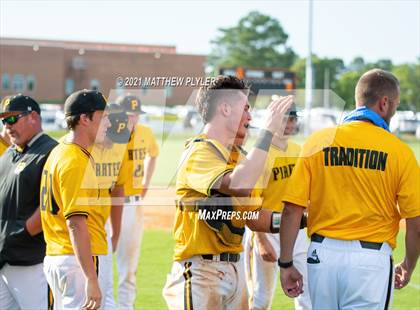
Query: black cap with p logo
(84, 101)
(14, 105)
(131, 104)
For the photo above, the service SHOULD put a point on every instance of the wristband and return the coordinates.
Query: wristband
(275, 222)
(264, 140)
(284, 265)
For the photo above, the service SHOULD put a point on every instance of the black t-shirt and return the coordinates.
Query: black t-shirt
(20, 176)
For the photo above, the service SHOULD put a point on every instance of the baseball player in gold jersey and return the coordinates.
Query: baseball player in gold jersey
(262, 249)
(141, 154)
(357, 181)
(214, 180)
(72, 213)
(111, 169)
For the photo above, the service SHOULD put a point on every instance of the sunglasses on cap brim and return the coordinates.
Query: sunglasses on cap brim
(13, 119)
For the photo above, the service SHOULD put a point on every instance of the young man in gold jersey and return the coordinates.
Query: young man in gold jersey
(73, 217)
(141, 154)
(262, 250)
(357, 181)
(111, 170)
(206, 273)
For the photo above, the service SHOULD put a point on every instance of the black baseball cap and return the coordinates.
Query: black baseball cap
(84, 101)
(131, 104)
(17, 104)
(118, 132)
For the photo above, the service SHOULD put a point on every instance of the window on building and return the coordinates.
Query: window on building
(69, 86)
(5, 81)
(19, 83)
(30, 82)
(94, 84)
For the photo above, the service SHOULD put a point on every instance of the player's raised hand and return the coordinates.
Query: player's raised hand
(276, 111)
(291, 281)
(93, 295)
(402, 275)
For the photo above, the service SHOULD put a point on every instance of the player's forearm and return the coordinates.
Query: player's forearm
(412, 242)
(149, 168)
(289, 228)
(241, 181)
(247, 172)
(116, 213)
(263, 223)
(33, 223)
(261, 237)
(80, 239)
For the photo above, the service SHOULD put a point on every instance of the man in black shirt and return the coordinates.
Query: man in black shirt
(22, 246)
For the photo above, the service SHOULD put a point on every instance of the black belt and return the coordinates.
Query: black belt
(303, 221)
(136, 198)
(223, 257)
(364, 244)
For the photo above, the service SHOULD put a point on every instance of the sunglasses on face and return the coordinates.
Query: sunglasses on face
(13, 119)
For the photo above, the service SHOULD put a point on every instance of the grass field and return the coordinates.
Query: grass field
(155, 263)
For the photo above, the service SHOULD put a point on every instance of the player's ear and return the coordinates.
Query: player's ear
(383, 104)
(84, 119)
(33, 117)
(225, 108)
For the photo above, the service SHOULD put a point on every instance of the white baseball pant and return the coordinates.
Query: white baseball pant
(24, 287)
(128, 251)
(197, 283)
(344, 275)
(109, 302)
(262, 276)
(67, 282)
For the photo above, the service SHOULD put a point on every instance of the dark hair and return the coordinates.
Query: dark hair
(73, 120)
(374, 84)
(208, 96)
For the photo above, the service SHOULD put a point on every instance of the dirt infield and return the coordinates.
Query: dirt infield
(159, 209)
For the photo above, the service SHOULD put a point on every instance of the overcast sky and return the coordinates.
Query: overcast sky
(344, 29)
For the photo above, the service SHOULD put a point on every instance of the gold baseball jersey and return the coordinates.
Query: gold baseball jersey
(3, 146)
(69, 187)
(359, 186)
(110, 165)
(277, 172)
(203, 163)
(141, 143)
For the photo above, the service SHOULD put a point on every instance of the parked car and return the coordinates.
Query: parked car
(52, 117)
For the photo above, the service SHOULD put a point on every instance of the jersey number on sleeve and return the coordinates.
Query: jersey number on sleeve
(47, 200)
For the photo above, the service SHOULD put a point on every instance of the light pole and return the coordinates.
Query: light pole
(308, 72)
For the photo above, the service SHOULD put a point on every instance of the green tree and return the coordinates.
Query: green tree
(346, 82)
(333, 67)
(345, 86)
(357, 64)
(257, 41)
(409, 76)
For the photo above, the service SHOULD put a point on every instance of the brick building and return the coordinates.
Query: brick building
(50, 70)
